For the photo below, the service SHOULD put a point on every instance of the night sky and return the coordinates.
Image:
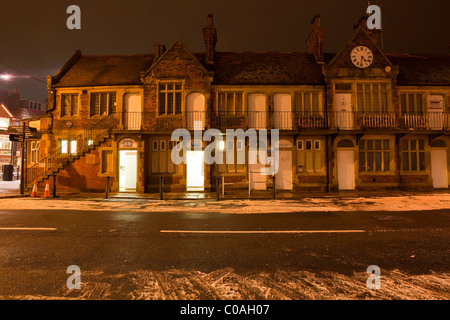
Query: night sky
(36, 41)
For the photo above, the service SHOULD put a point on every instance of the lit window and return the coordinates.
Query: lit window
(221, 145)
(64, 146)
(73, 146)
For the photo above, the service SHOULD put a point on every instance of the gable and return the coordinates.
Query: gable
(360, 38)
(177, 62)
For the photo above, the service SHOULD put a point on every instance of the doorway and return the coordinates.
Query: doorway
(127, 170)
(195, 180)
(283, 177)
(439, 171)
(344, 112)
(346, 165)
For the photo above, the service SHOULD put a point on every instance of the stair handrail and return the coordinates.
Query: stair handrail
(55, 158)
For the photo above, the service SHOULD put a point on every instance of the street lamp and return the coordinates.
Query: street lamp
(5, 77)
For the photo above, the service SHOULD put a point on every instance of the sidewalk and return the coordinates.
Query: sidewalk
(9, 189)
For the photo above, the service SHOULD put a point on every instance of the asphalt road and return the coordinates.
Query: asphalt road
(33, 262)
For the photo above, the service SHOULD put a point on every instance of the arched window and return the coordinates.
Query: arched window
(345, 143)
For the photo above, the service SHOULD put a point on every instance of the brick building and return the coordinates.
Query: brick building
(356, 119)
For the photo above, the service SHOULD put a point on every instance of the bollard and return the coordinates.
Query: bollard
(218, 187)
(107, 187)
(274, 187)
(161, 187)
(54, 186)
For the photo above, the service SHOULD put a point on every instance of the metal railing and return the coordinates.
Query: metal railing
(90, 136)
(427, 121)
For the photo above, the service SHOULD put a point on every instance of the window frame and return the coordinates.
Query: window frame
(109, 102)
(382, 150)
(177, 107)
(409, 151)
(70, 109)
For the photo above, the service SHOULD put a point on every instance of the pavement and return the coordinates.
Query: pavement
(10, 189)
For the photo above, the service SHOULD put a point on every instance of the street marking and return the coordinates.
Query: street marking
(260, 231)
(29, 229)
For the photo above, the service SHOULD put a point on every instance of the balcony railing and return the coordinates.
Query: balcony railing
(427, 121)
(282, 120)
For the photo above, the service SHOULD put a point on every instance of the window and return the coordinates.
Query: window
(230, 103)
(413, 155)
(169, 98)
(310, 157)
(307, 102)
(411, 103)
(102, 103)
(73, 146)
(69, 105)
(161, 156)
(372, 97)
(64, 146)
(374, 155)
(35, 151)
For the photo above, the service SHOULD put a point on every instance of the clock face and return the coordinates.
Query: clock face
(361, 57)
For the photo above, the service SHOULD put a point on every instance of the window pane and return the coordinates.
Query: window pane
(103, 103)
(421, 145)
(385, 144)
(169, 86)
(221, 102)
(403, 103)
(230, 103)
(178, 103)
(377, 144)
(411, 103)
(386, 161)
(178, 86)
(369, 161)
(413, 161)
(238, 105)
(405, 144)
(308, 145)
(307, 102)
(378, 161)
(298, 102)
(405, 161)
(419, 103)
(162, 103)
(362, 162)
(74, 105)
(315, 102)
(413, 144)
(422, 161)
(369, 144)
(384, 103)
(64, 146)
(170, 103)
(362, 144)
(112, 103)
(95, 104)
(73, 146)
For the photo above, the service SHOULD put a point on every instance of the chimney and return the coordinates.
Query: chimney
(315, 40)
(210, 35)
(159, 50)
(374, 34)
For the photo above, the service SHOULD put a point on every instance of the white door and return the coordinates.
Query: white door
(439, 168)
(344, 112)
(346, 169)
(195, 107)
(132, 111)
(128, 170)
(257, 180)
(282, 111)
(256, 111)
(195, 171)
(436, 111)
(283, 178)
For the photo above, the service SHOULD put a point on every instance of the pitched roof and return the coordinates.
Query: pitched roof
(422, 69)
(266, 68)
(249, 68)
(5, 112)
(98, 70)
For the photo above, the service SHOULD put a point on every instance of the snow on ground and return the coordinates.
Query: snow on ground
(380, 203)
(228, 284)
